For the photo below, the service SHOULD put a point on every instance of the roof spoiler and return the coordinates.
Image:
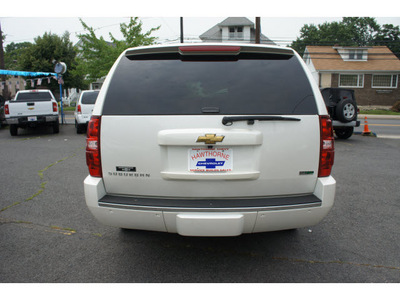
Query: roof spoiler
(200, 49)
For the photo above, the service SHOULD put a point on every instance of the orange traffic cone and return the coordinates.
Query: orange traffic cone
(366, 129)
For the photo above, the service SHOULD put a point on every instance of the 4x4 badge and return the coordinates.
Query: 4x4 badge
(210, 139)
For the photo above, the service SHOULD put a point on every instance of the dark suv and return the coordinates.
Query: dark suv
(2, 116)
(342, 107)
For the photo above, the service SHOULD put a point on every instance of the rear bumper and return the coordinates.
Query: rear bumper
(338, 124)
(210, 217)
(23, 121)
(82, 118)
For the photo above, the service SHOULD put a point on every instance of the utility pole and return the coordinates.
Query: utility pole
(258, 30)
(181, 29)
(3, 77)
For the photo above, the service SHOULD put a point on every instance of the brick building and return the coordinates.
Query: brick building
(373, 72)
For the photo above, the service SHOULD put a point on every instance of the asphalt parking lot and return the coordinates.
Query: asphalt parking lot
(47, 234)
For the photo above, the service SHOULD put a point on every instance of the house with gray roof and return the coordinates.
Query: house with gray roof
(234, 29)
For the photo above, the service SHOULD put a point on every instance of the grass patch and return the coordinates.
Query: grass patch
(379, 112)
(68, 108)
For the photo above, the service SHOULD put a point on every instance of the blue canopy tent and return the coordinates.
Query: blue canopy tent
(36, 74)
(25, 73)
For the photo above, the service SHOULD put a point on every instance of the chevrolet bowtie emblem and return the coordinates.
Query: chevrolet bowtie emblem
(210, 139)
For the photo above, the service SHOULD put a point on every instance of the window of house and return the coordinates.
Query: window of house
(236, 32)
(355, 54)
(240, 32)
(231, 32)
(384, 81)
(351, 80)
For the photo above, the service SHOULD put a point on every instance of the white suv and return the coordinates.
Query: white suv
(210, 140)
(84, 108)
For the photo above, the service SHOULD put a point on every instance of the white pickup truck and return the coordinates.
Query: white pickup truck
(32, 108)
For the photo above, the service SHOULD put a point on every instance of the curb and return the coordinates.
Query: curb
(372, 134)
(387, 117)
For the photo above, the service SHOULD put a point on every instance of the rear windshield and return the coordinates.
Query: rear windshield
(336, 94)
(33, 96)
(169, 84)
(89, 97)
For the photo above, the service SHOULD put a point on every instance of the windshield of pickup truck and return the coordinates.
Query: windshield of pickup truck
(33, 96)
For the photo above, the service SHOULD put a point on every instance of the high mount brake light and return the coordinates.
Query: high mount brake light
(93, 159)
(188, 50)
(327, 147)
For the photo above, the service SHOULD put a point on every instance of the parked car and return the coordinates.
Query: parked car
(342, 107)
(84, 108)
(32, 108)
(210, 140)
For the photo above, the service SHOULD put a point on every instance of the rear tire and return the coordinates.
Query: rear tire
(344, 133)
(346, 111)
(56, 127)
(79, 128)
(13, 130)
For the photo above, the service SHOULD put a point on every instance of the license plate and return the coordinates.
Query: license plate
(210, 160)
(32, 118)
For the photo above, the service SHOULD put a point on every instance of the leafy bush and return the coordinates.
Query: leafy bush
(396, 107)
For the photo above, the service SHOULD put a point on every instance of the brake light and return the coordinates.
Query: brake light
(6, 110)
(79, 109)
(93, 159)
(55, 107)
(327, 147)
(209, 49)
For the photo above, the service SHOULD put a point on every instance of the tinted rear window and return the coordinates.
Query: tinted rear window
(89, 97)
(169, 84)
(33, 96)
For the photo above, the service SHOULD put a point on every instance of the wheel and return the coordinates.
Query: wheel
(344, 133)
(79, 128)
(13, 129)
(346, 111)
(56, 127)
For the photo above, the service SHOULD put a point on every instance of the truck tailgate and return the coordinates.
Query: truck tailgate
(20, 109)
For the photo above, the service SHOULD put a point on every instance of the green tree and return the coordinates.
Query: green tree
(44, 52)
(389, 35)
(96, 56)
(351, 31)
(12, 53)
(362, 30)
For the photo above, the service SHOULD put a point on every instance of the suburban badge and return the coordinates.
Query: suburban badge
(210, 139)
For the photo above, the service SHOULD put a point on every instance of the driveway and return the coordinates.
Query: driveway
(48, 235)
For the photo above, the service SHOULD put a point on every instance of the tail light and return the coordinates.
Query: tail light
(6, 110)
(327, 148)
(79, 109)
(93, 159)
(55, 107)
(226, 50)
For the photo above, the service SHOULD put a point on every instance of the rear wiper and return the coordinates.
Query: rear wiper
(228, 121)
